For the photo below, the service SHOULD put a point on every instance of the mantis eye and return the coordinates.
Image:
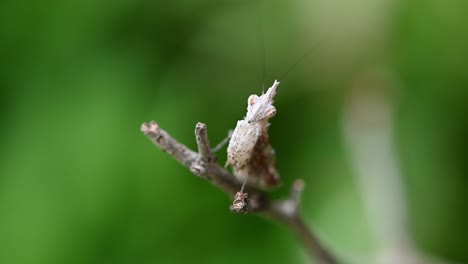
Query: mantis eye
(252, 99)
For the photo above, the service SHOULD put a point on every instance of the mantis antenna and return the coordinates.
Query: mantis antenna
(305, 55)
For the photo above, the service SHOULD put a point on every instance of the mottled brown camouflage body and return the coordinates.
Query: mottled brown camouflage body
(249, 150)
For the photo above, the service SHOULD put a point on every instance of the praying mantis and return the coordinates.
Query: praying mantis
(249, 151)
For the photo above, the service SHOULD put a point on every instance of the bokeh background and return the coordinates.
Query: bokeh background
(374, 119)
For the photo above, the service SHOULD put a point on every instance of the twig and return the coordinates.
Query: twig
(203, 164)
(287, 211)
(208, 170)
(203, 143)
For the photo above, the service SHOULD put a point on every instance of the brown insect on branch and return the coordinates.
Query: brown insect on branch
(253, 160)
(203, 164)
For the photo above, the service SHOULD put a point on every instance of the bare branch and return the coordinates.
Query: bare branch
(311, 242)
(167, 144)
(289, 207)
(287, 211)
(204, 165)
(209, 170)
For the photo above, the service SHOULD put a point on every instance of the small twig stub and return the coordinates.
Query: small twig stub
(249, 151)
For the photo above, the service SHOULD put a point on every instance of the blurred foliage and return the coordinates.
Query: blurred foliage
(79, 183)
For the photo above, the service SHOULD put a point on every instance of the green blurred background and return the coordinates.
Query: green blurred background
(79, 183)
